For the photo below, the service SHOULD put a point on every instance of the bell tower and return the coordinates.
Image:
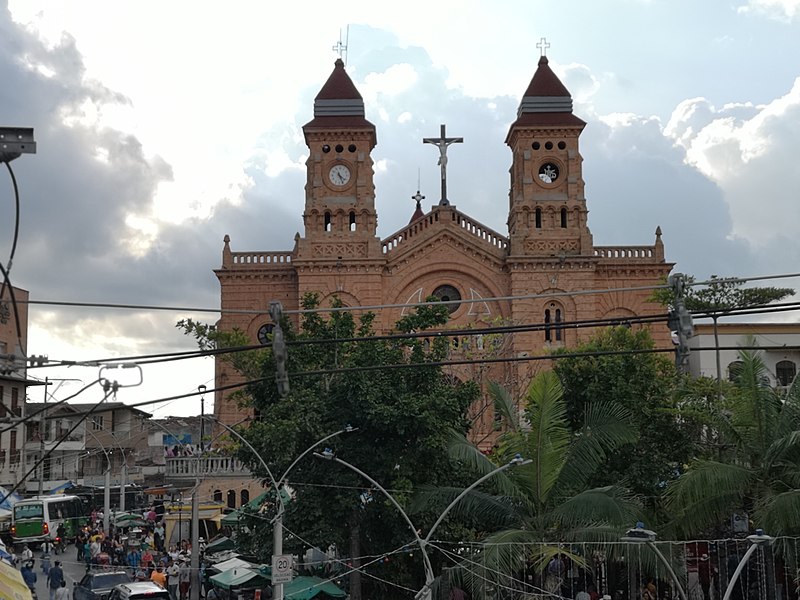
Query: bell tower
(547, 207)
(339, 218)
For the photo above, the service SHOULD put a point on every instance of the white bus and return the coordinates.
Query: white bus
(35, 520)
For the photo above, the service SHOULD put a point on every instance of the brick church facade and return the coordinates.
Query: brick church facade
(533, 274)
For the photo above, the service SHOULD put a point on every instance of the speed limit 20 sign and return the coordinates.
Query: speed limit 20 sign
(282, 568)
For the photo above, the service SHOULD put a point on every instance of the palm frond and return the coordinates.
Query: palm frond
(504, 405)
(549, 436)
(491, 511)
(780, 514)
(604, 506)
(607, 426)
(462, 450)
(707, 493)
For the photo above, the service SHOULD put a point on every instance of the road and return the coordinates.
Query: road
(72, 569)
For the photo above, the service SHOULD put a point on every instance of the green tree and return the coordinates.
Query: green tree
(402, 406)
(550, 498)
(623, 370)
(758, 471)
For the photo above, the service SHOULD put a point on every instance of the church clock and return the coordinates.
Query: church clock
(339, 175)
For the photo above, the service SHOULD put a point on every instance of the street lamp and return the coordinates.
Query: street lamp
(425, 592)
(640, 535)
(277, 530)
(759, 538)
(202, 389)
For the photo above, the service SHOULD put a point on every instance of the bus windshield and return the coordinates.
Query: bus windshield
(28, 511)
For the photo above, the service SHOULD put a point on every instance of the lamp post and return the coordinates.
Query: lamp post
(277, 529)
(202, 389)
(759, 538)
(640, 535)
(425, 592)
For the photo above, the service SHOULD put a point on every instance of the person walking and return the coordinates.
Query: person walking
(62, 593)
(172, 579)
(54, 579)
(184, 579)
(29, 575)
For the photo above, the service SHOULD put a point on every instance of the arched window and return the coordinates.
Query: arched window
(352, 221)
(245, 497)
(785, 372)
(558, 324)
(538, 218)
(547, 321)
(231, 499)
(327, 220)
(553, 318)
(563, 218)
(735, 370)
(218, 496)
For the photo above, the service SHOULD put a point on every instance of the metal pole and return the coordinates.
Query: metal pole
(669, 568)
(123, 483)
(277, 548)
(738, 571)
(107, 497)
(41, 439)
(194, 590)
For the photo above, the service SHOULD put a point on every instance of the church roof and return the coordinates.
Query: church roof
(339, 104)
(547, 102)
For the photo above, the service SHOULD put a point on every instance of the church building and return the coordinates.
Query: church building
(536, 273)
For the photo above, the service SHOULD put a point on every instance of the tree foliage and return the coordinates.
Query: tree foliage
(757, 470)
(550, 499)
(722, 295)
(403, 407)
(641, 382)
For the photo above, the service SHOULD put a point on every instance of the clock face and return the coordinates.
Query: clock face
(339, 175)
(548, 172)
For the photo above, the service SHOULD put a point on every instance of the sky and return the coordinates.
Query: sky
(163, 126)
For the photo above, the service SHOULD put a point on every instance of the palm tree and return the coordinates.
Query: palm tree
(759, 469)
(546, 500)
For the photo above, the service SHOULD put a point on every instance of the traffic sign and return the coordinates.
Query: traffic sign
(282, 568)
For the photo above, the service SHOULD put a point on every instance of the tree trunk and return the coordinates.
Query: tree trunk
(355, 558)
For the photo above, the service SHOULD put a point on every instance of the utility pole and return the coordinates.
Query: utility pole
(107, 496)
(194, 590)
(202, 389)
(679, 321)
(41, 438)
(123, 483)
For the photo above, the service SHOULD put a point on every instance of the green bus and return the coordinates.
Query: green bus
(36, 520)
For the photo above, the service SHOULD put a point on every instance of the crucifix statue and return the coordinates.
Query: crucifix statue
(442, 142)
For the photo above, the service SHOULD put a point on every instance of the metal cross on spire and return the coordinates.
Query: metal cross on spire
(543, 46)
(442, 142)
(340, 47)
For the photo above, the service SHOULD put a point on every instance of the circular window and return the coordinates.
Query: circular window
(326, 148)
(447, 293)
(339, 148)
(264, 332)
(352, 147)
(536, 145)
(548, 145)
(562, 145)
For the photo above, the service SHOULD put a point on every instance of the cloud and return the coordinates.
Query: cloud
(780, 10)
(750, 152)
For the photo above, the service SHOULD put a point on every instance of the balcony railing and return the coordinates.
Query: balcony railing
(206, 466)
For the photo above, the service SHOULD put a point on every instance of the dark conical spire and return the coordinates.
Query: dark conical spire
(547, 101)
(338, 104)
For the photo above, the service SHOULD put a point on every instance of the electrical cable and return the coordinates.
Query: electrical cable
(6, 271)
(56, 445)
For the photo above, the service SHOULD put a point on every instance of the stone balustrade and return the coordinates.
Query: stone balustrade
(442, 214)
(627, 253)
(202, 466)
(260, 259)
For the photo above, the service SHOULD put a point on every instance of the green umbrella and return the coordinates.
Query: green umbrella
(239, 577)
(220, 545)
(305, 588)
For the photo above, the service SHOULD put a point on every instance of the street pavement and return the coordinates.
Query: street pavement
(73, 570)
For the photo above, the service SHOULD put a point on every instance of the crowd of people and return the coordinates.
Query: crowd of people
(142, 551)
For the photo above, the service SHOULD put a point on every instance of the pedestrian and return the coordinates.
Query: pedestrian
(29, 575)
(172, 579)
(46, 546)
(54, 579)
(80, 541)
(26, 554)
(62, 593)
(184, 579)
(158, 576)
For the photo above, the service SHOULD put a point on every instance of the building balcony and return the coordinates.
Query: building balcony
(184, 467)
